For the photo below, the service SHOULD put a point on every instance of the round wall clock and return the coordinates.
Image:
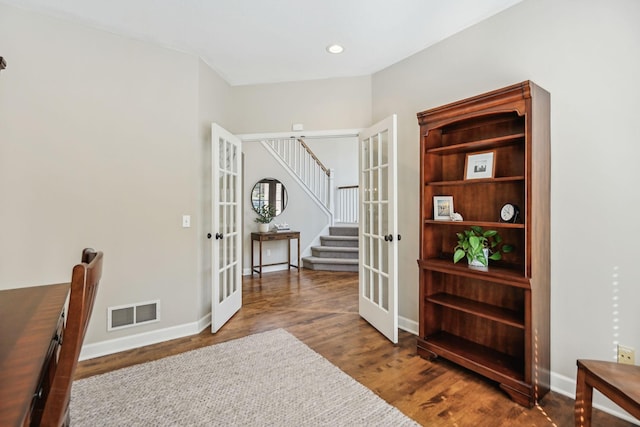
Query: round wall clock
(509, 213)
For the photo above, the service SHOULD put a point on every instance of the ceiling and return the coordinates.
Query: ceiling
(268, 41)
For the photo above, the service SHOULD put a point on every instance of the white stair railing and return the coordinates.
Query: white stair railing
(305, 165)
(347, 202)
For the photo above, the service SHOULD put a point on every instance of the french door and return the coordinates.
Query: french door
(378, 284)
(226, 184)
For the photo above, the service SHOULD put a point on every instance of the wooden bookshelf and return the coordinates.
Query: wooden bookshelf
(494, 322)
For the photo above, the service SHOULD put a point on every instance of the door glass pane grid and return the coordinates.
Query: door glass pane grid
(366, 185)
(234, 163)
(375, 296)
(384, 292)
(366, 282)
(234, 284)
(384, 147)
(229, 251)
(220, 229)
(375, 184)
(375, 151)
(375, 226)
(384, 183)
(221, 284)
(229, 153)
(375, 252)
(221, 156)
(229, 188)
(365, 251)
(366, 154)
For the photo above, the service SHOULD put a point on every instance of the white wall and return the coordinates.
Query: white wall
(343, 103)
(101, 145)
(585, 53)
(339, 154)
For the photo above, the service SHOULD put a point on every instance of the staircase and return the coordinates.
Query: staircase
(337, 252)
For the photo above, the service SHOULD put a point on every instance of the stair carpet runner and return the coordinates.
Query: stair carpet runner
(337, 252)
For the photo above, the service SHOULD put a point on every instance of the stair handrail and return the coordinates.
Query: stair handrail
(312, 154)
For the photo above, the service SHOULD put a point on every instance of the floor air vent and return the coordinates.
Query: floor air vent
(126, 316)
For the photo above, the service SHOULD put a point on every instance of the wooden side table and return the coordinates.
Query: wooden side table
(274, 235)
(618, 382)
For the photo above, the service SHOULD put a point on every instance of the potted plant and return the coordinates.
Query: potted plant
(479, 246)
(266, 213)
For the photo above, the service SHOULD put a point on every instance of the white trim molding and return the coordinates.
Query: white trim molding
(116, 345)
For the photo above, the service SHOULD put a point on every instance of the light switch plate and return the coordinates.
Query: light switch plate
(186, 221)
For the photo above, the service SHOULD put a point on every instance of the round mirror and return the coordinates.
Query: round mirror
(269, 191)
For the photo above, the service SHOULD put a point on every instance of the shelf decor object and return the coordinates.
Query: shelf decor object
(442, 208)
(493, 322)
(479, 165)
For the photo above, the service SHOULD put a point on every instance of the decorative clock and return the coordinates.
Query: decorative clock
(509, 213)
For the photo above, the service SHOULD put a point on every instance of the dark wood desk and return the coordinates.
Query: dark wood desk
(30, 318)
(274, 235)
(618, 382)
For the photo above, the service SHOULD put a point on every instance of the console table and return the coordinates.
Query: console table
(31, 322)
(274, 235)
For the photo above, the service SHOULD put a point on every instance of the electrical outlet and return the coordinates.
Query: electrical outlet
(626, 355)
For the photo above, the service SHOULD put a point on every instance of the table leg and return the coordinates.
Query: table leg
(289, 254)
(298, 254)
(584, 395)
(260, 258)
(252, 265)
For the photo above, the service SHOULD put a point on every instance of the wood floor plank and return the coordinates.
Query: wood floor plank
(321, 309)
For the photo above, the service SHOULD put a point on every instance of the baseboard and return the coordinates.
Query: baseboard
(567, 387)
(103, 348)
(408, 325)
(269, 269)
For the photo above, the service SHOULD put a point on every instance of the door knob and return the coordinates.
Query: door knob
(208, 235)
(388, 238)
(219, 236)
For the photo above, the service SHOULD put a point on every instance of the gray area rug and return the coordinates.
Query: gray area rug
(266, 379)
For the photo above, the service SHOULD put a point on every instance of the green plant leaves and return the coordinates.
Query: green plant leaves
(472, 242)
(266, 213)
(458, 255)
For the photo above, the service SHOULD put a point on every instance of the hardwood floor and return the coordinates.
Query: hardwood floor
(321, 310)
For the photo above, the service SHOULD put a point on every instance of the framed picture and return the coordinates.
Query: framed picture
(479, 165)
(442, 208)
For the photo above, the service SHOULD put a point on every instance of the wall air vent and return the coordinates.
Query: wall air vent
(126, 316)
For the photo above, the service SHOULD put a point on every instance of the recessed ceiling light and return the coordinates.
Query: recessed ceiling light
(335, 48)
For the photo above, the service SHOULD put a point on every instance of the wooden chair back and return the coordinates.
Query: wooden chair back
(84, 284)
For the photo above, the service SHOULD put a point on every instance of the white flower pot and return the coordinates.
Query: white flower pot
(263, 228)
(475, 264)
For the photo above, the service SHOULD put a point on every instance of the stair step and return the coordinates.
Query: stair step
(342, 241)
(343, 230)
(334, 252)
(330, 264)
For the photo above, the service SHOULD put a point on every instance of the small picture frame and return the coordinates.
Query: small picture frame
(480, 165)
(442, 208)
